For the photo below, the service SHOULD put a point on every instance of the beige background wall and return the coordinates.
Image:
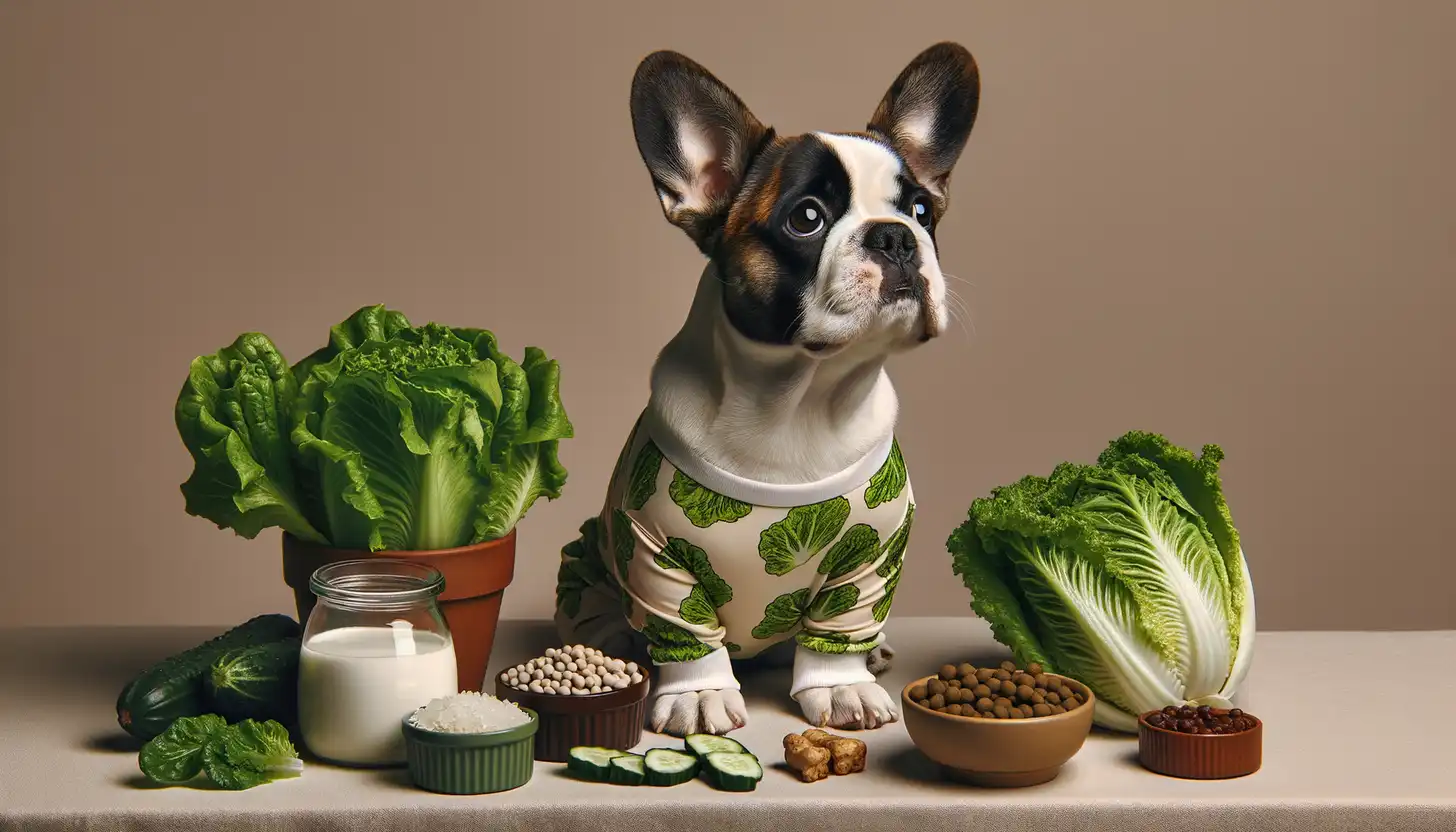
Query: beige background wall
(1228, 222)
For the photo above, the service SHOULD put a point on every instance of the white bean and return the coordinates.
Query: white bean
(631, 667)
(596, 689)
(636, 678)
(618, 683)
(571, 666)
(538, 674)
(535, 687)
(579, 692)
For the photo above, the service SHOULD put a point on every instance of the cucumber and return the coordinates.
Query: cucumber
(174, 687)
(258, 683)
(592, 763)
(732, 771)
(666, 767)
(701, 745)
(627, 770)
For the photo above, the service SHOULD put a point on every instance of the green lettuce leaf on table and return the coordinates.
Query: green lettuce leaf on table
(1127, 575)
(391, 436)
(233, 757)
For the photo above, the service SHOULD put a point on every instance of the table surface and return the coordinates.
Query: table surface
(64, 764)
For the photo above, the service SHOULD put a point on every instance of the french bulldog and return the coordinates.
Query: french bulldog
(761, 502)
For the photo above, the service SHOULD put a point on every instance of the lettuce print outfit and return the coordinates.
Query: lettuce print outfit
(709, 566)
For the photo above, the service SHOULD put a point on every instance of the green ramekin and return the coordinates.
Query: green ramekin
(496, 761)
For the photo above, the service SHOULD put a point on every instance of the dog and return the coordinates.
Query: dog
(762, 501)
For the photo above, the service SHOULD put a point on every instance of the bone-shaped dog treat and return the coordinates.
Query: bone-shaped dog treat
(807, 759)
(846, 755)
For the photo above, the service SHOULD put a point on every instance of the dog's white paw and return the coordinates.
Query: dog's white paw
(864, 705)
(879, 661)
(702, 712)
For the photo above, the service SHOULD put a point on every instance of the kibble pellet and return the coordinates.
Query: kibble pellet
(1002, 692)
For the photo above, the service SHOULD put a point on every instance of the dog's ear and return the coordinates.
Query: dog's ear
(928, 113)
(697, 139)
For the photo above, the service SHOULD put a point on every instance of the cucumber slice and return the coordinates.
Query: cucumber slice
(732, 771)
(627, 770)
(702, 745)
(592, 763)
(666, 767)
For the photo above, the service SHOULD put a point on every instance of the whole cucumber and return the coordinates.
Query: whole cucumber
(258, 683)
(173, 687)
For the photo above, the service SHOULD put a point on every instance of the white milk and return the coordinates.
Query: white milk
(355, 685)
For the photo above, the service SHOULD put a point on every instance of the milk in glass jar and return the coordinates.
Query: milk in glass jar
(375, 648)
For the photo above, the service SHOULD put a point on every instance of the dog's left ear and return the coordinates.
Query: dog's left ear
(697, 138)
(928, 113)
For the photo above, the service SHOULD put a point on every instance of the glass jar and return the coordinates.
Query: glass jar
(375, 648)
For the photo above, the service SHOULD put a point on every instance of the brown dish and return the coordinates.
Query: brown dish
(1200, 756)
(612, 719)
(1002, 753)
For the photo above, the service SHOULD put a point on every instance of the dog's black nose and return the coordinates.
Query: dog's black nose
(894, 240)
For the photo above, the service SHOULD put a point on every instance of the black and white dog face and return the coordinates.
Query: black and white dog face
(822, 240)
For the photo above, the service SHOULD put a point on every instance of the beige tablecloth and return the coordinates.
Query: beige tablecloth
(65, 765)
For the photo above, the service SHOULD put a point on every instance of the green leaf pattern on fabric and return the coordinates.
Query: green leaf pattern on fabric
(702, 506)
(895, 546)
(680, 554)
(833, 643)
(801, 535)
(858, 546)
(581, 568)
(642, 483)
(889, 481)
(834, 602)
(782, 614)
(667, 642)
(624, 541)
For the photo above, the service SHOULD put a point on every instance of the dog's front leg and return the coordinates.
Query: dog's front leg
(697, 696)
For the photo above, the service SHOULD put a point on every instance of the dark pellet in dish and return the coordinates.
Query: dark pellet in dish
(1200, 720)
(1002, 692)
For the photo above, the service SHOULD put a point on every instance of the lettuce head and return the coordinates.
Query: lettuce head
(390, 436)
(1127, 575)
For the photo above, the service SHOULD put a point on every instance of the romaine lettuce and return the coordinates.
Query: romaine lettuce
(389, 437)
(1127, 575)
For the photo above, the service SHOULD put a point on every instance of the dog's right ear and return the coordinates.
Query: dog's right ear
(697, 139)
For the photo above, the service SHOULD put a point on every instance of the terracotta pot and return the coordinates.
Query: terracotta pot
(475, 578)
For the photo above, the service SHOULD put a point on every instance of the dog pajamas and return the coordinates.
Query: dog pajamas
(708, 567)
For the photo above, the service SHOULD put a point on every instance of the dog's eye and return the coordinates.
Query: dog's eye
(807, 219)
(920, 210)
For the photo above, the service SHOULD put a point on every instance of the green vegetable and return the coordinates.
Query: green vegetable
(259, 682)
(174, 687)
(175, 755)
(391, 436)
(732, 771)
(701, 745)
(665, 767)
(233, 757)
(1126, 575)
(627, 770)
(250, 754)
(591, 762)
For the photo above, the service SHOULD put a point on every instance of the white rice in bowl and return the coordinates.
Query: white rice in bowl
(468, 712)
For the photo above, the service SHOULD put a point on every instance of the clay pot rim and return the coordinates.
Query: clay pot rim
(405, 553)
(963, 720)
(1144, 725)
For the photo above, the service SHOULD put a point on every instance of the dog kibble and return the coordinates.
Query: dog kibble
(1201, 720)
(1005, 692)
(572, 670)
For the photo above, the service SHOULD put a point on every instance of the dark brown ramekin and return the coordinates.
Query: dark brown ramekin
(1200, 756)
(606, 720)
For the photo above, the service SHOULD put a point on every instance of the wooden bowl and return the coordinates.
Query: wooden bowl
(613, 719)
(999, 753)
(1200, 756)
